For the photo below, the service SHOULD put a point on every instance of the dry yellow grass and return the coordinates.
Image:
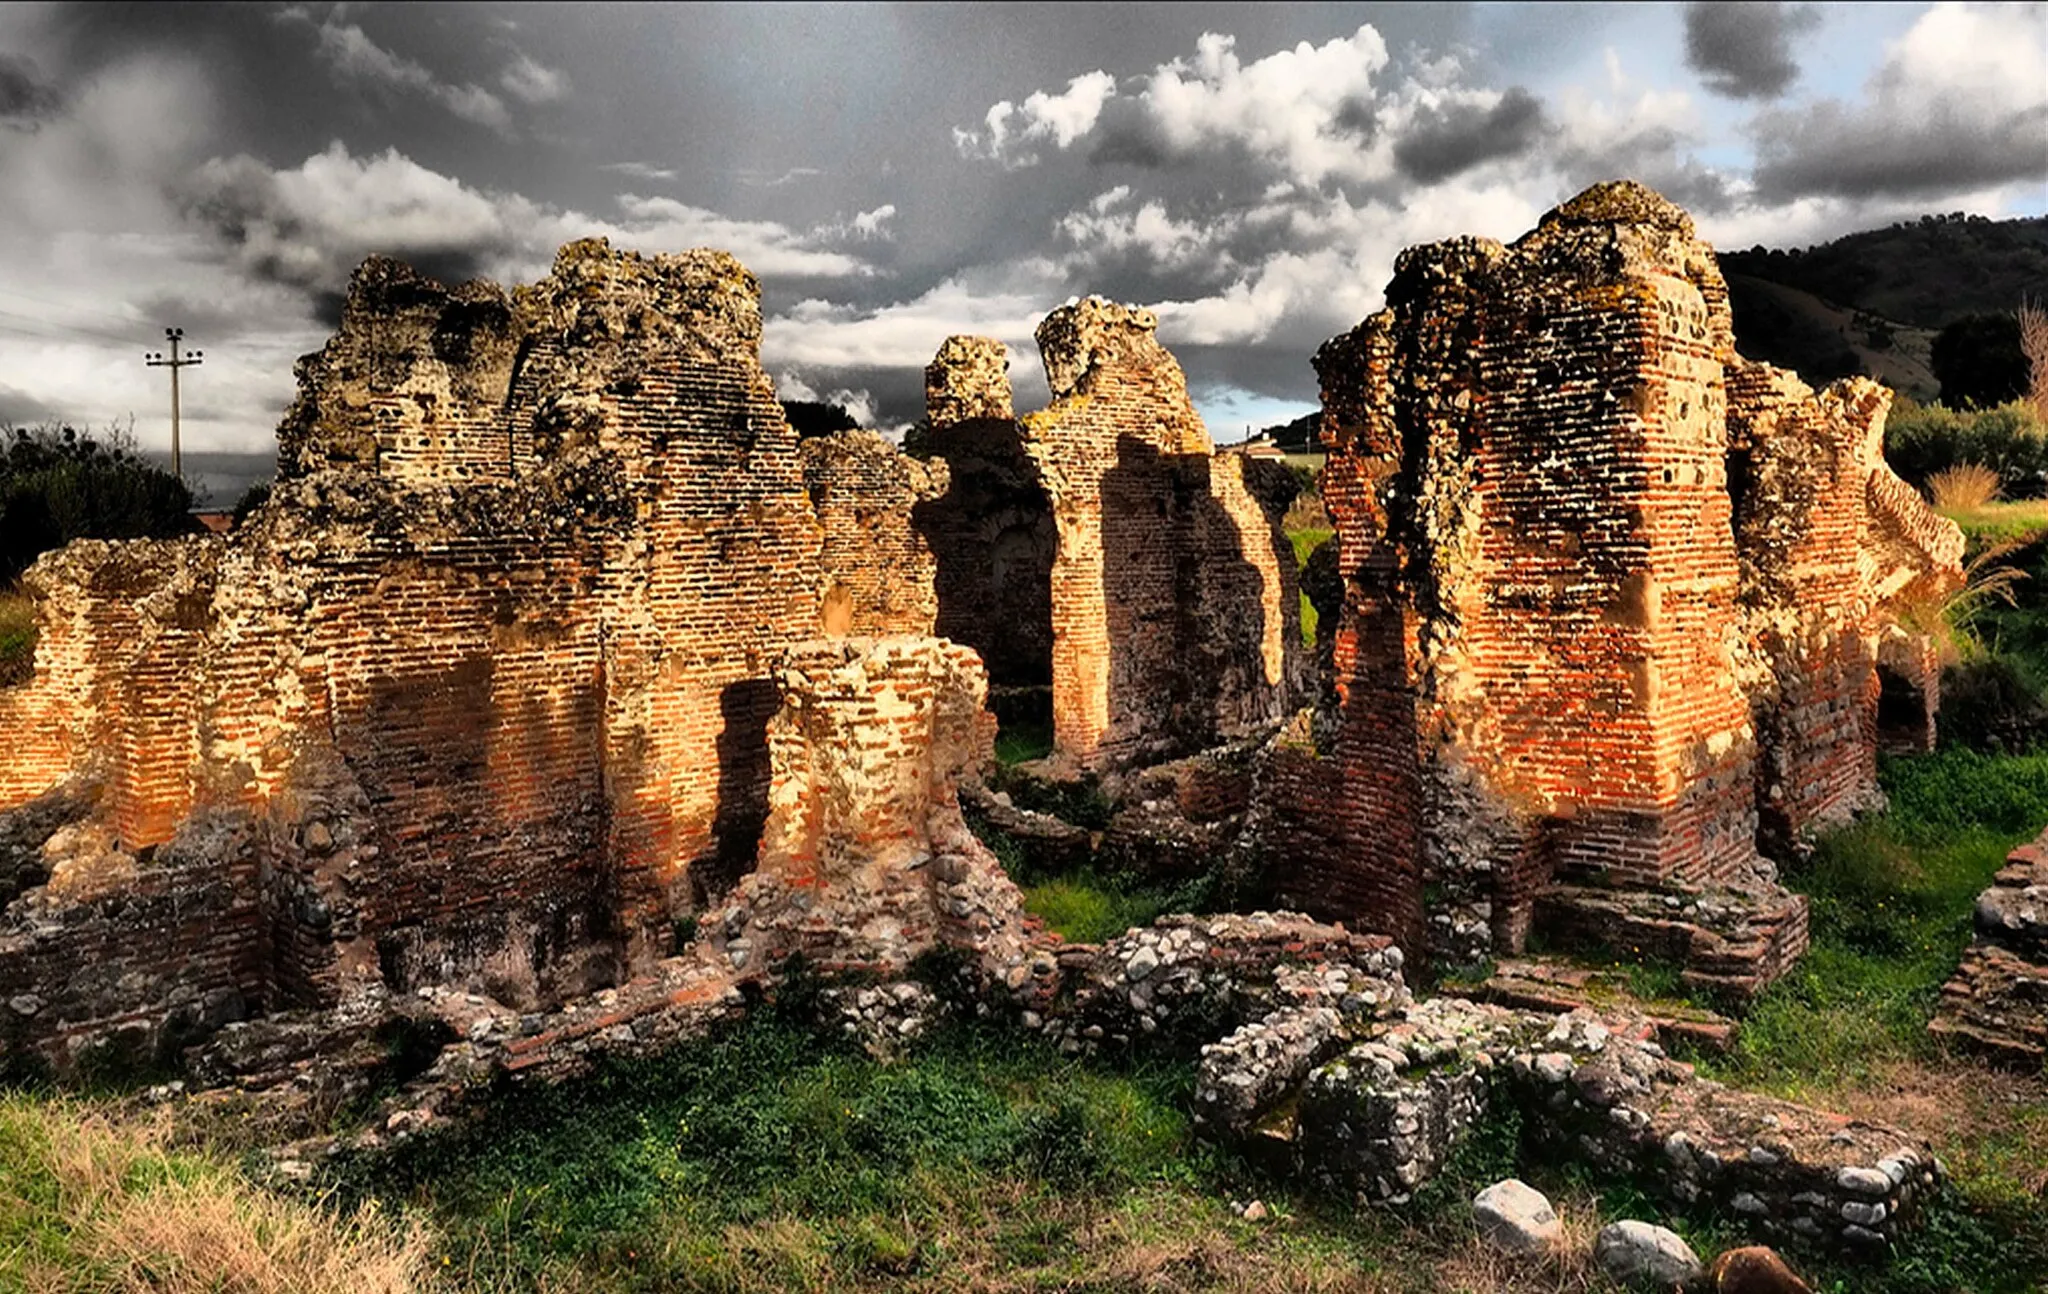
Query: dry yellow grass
(89, 1204)
(1963, 488)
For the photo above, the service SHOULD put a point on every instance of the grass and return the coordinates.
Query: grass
(1306, 540)
(17, 637)
(1086, 908)
(90, 1202)
(1997, 521)
(1846, 1030)
(1020, 741)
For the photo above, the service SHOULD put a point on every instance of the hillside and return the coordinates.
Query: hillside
(1924, 273)
(1872, 302)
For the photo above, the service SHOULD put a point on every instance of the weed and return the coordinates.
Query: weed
(1964, 486)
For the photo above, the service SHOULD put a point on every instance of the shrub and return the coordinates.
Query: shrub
(1988, 704)
(1923, 441)
(1978, 360)
(1963, 487)
(57, 485)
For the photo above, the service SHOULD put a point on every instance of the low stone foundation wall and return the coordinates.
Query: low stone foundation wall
(1732, 943)
(1373, 1111)
(1997, 1002)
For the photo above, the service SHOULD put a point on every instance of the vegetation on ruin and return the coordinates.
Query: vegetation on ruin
(17, 637)
(58, 484)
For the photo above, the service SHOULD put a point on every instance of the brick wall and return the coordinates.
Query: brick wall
(489, 679)
(1550, 649)
(866, 493)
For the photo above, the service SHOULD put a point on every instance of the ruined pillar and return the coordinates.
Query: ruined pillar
(1529, 463)
(1605, 581)
(1174, 603)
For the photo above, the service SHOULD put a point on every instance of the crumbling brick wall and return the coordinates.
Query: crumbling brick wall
(1829, 539)
(1545, 662)
(1173, 606)
(876, 561)
(487, 683)
(992, 530)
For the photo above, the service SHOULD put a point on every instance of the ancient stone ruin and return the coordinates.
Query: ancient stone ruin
(1997, 1003)
(560, 698)
(1102, 547)
(1618, 607)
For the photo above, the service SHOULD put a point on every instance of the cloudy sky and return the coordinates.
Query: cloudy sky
(898, 173)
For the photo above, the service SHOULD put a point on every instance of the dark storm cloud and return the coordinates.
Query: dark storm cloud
(1834, 151)
(1960, 103)
(1442, 142)
(24, 99)
(1744, 50)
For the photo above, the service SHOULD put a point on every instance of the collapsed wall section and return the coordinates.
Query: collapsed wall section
(1832, 544)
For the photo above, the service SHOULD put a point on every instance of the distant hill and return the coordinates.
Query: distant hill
(1872, 302)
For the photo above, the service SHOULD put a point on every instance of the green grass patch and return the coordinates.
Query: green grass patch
(1847, 1028)
(2001, 521)
(1087, 909)
(826, 1165)
(1022, 740)
(1306, 541)
(1891, 900)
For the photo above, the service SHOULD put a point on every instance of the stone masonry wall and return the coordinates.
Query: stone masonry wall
(1546, 659)
(488, 683)
(1173, 603)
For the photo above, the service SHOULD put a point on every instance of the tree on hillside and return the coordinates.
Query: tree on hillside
(1979, 362)
(817, 418)
(58, 484)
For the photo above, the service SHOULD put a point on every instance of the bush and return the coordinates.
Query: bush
(1924, 441)
(57, 485)
(1963, 487)
(1978, 359)
(1988, 704)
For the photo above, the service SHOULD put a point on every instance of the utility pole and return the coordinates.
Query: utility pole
(155, 359)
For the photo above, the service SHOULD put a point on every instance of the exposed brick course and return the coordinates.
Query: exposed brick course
(1568, 637)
